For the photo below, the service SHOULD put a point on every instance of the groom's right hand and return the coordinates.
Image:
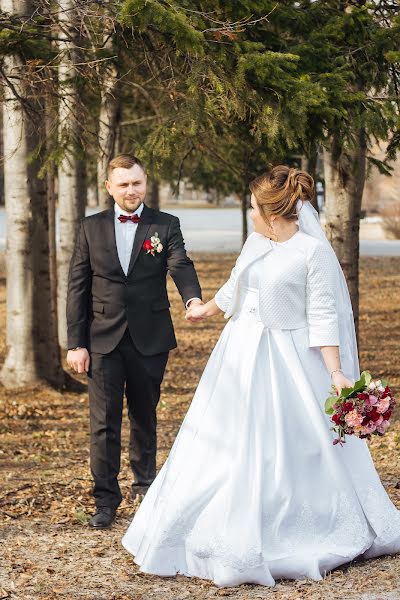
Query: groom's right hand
(78, 360)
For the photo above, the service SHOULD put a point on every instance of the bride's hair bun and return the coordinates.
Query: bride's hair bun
(278, 191)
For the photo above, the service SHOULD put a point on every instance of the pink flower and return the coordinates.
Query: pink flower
(369, 428)
(383, 405)
(353, 418)
(383, 426)
(373, 399)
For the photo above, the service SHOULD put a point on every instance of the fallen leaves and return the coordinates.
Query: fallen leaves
(45, 499)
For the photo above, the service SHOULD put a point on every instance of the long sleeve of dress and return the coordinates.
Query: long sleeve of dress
(321, 310)
(224, 295)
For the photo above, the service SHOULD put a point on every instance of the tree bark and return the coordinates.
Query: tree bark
(52, 316)
(45, 340)
(20, 367)
(1, 156)
(154, 198)
(309, 164)
(51, 207)
(109, 120)
(344, 184)
(31, 335)
(244, 202)
(71, 188)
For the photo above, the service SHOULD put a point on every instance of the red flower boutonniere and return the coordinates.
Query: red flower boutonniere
(153, 246)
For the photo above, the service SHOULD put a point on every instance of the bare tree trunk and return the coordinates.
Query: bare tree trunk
(244, 201)
(20, 367)
(309, 164)
(109, 119)
(45, 340)
(51, 207)
(344, 185)
(2, 197)
(70, 201)
(92, 194)
(154, 199)
(52, 249)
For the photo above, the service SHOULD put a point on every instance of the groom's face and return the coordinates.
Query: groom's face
(127, 187)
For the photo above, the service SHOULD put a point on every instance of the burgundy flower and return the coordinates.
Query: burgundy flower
(363, 413)
(374, 415)
(336, 419)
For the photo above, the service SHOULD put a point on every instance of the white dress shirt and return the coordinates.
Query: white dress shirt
(125, 235)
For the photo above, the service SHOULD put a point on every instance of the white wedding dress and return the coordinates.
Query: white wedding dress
(253, 489)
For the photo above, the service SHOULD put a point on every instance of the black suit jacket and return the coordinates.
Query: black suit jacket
(102, 300)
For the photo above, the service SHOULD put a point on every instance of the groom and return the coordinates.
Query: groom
(119, 325)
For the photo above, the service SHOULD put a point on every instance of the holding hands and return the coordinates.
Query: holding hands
(198, 311)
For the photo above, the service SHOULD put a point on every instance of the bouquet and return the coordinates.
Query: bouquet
(362, 410)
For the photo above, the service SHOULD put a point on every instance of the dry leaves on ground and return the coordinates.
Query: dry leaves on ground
(47, 552)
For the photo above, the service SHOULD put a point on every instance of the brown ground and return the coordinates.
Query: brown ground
(46, 549)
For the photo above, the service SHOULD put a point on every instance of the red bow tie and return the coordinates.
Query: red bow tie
(125, 218)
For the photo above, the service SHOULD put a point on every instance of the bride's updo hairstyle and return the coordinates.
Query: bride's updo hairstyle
(277, 191)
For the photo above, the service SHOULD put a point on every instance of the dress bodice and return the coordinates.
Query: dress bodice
(251, 277)
(295, 283)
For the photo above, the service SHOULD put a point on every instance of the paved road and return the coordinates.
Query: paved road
(219, 230)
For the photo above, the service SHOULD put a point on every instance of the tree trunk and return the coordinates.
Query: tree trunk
(45, 340)
(1, 156)
(71, 191)
(309, 164)
(244, 201)
(109, 119)
(33, 352)
(344, 185)
(92, 195)
(51, 207)
(20, 366)
(154, 198)
(52, 251)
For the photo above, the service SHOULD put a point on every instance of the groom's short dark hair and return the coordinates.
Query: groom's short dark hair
(124, 161)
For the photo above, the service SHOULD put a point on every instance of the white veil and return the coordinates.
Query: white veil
(308, 220)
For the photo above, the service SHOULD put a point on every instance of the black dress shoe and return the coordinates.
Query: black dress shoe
(103, 517)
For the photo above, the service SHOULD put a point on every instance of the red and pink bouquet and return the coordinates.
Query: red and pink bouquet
(362, 410)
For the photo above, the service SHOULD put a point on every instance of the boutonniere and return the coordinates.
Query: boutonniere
(153, 246)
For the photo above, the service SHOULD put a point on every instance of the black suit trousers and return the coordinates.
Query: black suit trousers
(123, 369)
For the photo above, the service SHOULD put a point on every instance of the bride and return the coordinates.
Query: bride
(253, 488)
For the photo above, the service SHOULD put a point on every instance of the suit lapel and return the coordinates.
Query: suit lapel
(146, 220)
(112, 242)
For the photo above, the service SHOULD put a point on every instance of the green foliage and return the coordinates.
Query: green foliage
(164, 18)
(218, 91)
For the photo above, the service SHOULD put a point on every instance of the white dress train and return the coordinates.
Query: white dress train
(253, 489)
